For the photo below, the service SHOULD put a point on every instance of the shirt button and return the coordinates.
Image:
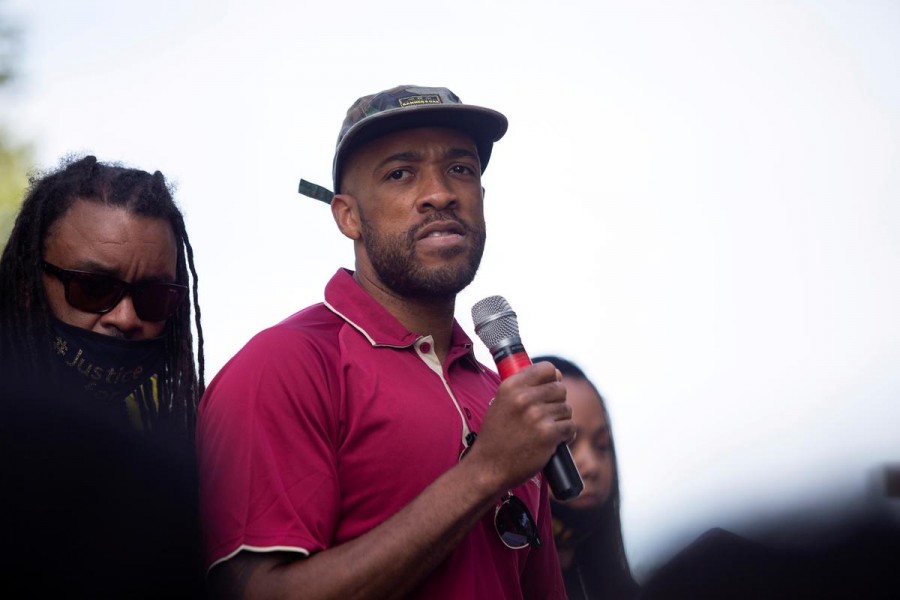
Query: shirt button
(425, 347)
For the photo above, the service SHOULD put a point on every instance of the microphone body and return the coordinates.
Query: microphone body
(498, 328)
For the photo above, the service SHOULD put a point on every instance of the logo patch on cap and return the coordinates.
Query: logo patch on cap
(413, 100)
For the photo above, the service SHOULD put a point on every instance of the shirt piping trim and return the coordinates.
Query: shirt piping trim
(359, 328)
(438, 369)
(295, 549)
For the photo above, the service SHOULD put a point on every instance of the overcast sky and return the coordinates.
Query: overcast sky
(697, 201)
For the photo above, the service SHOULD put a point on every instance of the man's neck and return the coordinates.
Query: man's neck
(424, 317)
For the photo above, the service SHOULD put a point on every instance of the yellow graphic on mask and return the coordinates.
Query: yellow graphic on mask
(142, 405)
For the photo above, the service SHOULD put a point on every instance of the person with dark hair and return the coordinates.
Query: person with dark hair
(338, 452)
(99, 389)
(588, 529)
(93, 297)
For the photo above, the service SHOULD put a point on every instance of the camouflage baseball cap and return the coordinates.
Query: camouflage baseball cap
(405, 107)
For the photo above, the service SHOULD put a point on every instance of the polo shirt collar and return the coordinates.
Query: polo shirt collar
(346, 298)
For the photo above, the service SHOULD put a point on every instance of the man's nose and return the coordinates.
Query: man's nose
(123, 317)
(437, 193)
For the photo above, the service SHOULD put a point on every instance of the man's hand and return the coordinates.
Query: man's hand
(525, 423)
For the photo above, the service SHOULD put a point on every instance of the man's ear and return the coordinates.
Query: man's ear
(346, 214)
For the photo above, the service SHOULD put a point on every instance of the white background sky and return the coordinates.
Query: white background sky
(697, 201)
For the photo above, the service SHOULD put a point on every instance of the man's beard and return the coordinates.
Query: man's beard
(394, 259)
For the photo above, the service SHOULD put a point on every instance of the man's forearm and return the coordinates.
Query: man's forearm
(386, 562)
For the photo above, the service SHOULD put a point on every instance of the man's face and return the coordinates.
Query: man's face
(109, 240)
(421, 218)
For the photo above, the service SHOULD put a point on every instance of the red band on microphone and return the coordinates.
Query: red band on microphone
(512, 364)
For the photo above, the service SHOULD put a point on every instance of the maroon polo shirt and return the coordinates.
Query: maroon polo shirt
(328, 423)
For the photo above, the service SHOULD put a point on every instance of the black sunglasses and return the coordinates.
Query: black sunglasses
(97, 293)
(514, 523)
(512, 519)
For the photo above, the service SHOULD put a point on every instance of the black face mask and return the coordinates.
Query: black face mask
(101, 367)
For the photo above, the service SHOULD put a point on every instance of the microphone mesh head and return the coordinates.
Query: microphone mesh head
(495, 321)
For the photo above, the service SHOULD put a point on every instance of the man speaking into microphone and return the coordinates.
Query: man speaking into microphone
(358, 449)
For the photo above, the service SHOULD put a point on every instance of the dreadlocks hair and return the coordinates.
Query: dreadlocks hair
(25, 314)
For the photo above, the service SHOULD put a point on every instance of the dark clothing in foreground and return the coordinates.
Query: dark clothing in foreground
(864, 563)
(92, 509)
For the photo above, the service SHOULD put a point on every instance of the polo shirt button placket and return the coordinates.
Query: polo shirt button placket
(424, 347)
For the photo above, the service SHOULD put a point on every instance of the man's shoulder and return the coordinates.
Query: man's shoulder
(313, 326)
(302, 347)
(312, 319)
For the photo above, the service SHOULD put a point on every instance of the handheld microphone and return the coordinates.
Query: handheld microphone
(498, 328)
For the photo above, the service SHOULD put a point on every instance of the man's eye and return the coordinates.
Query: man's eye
(463, 169)
(397, 174)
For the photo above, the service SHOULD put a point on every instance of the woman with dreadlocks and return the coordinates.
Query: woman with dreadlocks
(94, 290)
(100, 389)
(587, 529)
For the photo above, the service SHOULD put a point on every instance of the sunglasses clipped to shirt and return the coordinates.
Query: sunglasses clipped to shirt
(97, 293)
(512, 519)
